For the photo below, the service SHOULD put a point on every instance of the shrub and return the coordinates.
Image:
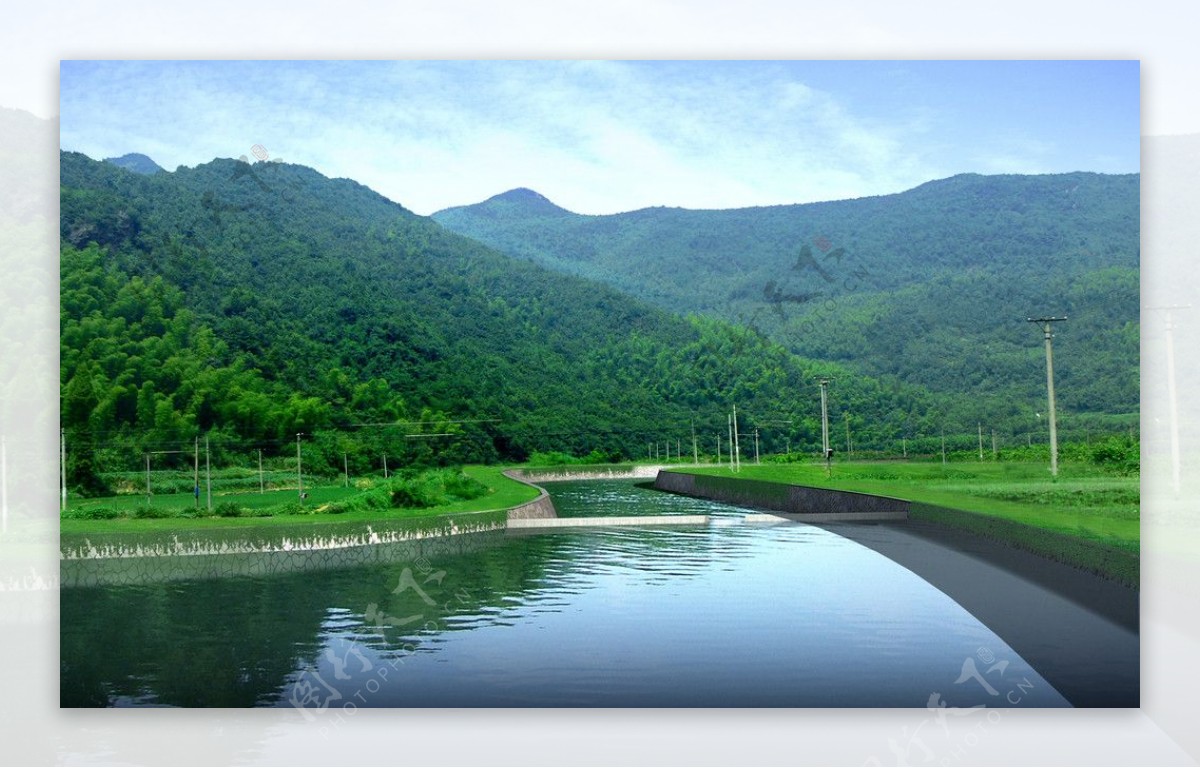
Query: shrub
(228, 509)
(433, 488)
(1116, 454)
(559, 458)
(290, 508)
(461, 486)
(403, 494)
(148, 512)
(95, 513)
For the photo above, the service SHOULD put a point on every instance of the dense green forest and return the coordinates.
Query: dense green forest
(932, 285)
(248, 303)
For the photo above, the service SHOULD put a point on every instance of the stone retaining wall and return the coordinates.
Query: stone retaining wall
(566, 473)
(798, 501)
(541, 508)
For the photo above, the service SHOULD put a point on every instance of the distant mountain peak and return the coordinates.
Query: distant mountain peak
(522, 194)
(136, 162)
(527, 199)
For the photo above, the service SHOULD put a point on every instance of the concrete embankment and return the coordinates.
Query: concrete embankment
(607, 522)
(531, 476)
(127, 560)
(106, 559)
(793, 501)
(1079, 629)
(541, 508)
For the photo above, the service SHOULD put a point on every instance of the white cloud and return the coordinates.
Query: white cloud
(595, 136)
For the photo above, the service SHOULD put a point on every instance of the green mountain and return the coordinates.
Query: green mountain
(932, 286)
(138, 163)
(250, 303)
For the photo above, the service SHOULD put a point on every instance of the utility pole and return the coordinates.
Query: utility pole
(737, 444)
(849, 447)
(4, 483)
(729, 419)
(1172, 398)
(995, 455)
(826, 451)
(756, 459)
(385, 471)
(196, 471)
(147, 477)
(299, 474)
(262, 486)
(718, 448)
(943, 446)
(904, 447)
(208, 475)
(62, 459)
(1049, 335)
(980, 425)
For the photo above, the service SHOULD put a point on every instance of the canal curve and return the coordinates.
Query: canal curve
(725, 614)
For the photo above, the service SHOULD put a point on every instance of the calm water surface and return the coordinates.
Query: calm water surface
(730, 614)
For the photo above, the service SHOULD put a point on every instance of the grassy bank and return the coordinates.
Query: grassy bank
(326, 505)
(1085, 517)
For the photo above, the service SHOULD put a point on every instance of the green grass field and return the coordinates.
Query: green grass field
(1086, 517)
(279, 508)
(1082, 502)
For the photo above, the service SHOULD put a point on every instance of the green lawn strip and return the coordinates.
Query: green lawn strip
(503, 493)
(1088, 520)
(250, 499)
(1114, 562)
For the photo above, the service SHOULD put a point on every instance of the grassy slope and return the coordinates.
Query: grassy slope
(503, 493)
(1081, 503)
(1084, 518)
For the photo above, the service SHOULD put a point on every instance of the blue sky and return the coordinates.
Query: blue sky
(606, 136)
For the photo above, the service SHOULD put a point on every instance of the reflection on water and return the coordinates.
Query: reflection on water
(719, 615)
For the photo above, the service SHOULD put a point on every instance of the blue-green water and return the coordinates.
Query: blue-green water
(729, 614)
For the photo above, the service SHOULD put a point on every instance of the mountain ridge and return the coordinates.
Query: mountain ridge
(522, 194)
(873, 282)
(258, 302)
(136, 162)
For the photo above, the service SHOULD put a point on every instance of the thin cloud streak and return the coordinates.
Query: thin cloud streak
(594, 136)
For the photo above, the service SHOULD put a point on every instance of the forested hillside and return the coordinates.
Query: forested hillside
(249, 303)
(932, 285)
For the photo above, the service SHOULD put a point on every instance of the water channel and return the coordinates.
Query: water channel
(728, 614)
